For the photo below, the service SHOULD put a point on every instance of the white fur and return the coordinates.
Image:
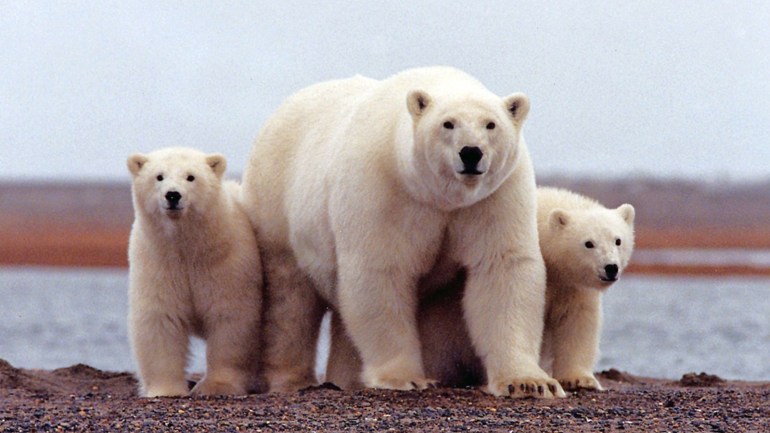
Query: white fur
(194, 270)
(579, 237)
(576, 277)
(354, 188)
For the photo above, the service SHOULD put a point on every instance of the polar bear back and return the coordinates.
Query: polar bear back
(296, 138)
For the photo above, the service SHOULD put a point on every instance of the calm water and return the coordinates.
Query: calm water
(655, 326)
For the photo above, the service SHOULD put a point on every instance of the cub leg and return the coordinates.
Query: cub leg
(575, 343)
(161, 348)
(231, 355)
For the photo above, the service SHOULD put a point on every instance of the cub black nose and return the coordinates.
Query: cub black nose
(173, 197)
(612, 271)
(470, 156)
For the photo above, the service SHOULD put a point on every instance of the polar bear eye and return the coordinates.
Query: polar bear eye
(491, 125)
(160, 178)
(190, 178)
(589, 244)
(449, 125)
(617, 242)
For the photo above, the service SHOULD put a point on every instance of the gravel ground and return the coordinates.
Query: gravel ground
(81, 398)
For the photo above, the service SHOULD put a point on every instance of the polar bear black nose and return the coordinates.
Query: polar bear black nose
(470, 156)
(612, 271)
(173, 197)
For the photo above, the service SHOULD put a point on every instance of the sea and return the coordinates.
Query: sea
(656, 326)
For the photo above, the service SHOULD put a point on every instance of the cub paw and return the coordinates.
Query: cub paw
(573, 383)
(546, 388)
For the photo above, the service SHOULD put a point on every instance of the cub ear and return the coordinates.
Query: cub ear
(417, 101)
(627, 212)
(517, 104)
(217, 163)
(558, 218)
(135, 163)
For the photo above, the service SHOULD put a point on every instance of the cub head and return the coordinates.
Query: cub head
(465, 145)
(175, 182)
(591, 247)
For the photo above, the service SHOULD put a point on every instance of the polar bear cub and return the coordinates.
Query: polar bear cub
(586, 248)
(194, 269)
(360, 188)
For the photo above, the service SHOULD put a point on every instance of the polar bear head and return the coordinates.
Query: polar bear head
(589, 247)
(175, 182)
(465, 144)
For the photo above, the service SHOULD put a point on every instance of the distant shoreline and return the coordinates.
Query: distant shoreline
(98, 249)
(84, 223)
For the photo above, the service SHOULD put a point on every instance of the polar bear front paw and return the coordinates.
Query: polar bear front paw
(401, 384)
(527, 387)
(398, 373)
(585, 381)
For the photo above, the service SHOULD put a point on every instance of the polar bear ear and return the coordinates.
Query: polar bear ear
(417, 101)
(517, 105)
(558, 218)
(627, 212)
(135, 163)
(217, 163)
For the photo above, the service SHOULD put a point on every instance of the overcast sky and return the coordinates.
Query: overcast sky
(664, 88)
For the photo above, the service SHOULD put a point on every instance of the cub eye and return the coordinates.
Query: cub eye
(491, 125)
(449, 125)
(160, 178)
(617, 242)
(190, 178)
(589, 244)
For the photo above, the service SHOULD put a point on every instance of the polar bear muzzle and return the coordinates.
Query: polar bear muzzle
(470, 157)
(610, 273)
(173, 206)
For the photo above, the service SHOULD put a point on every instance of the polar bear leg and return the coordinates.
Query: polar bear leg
(576, 344)
(292, 317)
(382, 325)
(505, 323)
(231, 357)
(344, 366)
(161, 347)
(447, 354)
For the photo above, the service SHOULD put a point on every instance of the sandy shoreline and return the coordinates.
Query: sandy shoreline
(81, 398)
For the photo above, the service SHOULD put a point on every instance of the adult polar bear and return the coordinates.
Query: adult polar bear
(360, 189)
